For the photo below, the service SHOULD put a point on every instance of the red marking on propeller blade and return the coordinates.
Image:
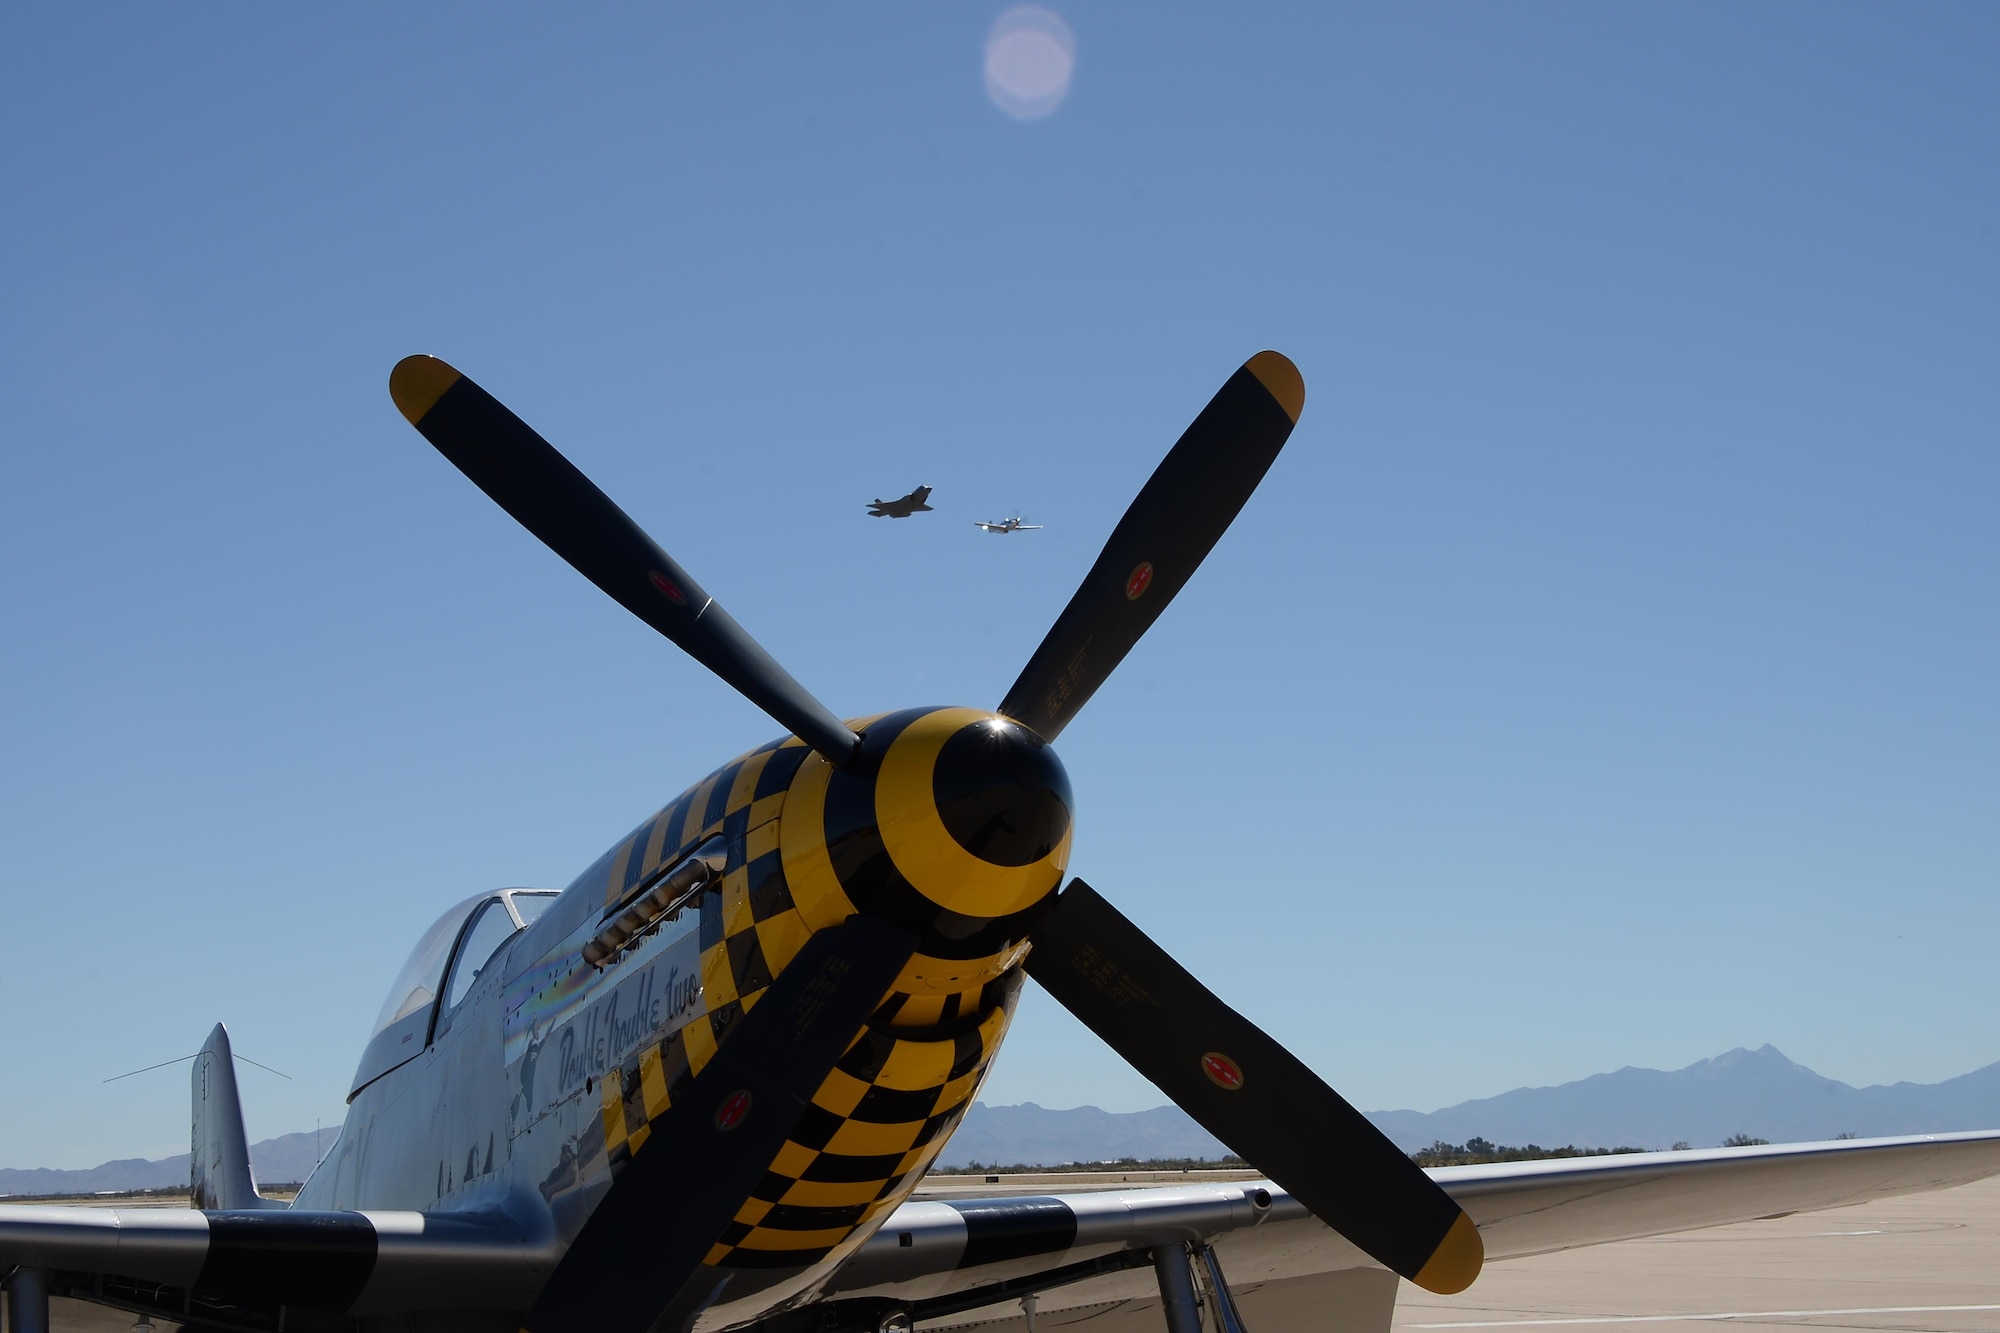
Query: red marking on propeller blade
(734, 1110)
(1140, 579)
(668, 588)
(1222, 1071)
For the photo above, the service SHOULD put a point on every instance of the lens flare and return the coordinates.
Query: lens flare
(1030, 59)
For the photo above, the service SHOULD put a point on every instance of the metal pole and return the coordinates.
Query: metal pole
(1170, 1266)
(28, 1301)
(1226, 1313)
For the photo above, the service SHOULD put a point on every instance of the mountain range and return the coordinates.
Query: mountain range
(285, 1159)
(1758, 1093)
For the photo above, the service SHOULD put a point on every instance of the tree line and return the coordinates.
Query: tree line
(1472, 1152)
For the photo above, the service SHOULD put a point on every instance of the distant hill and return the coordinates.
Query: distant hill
(1760, 1093)
(287, 1158)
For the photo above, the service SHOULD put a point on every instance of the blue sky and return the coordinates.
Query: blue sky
(1603, 675)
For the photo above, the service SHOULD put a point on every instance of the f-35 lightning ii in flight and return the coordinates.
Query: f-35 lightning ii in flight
(913, 503)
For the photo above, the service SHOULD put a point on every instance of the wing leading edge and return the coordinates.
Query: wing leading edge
(358, 1263)
(1536, 1207)
(1262, 1235)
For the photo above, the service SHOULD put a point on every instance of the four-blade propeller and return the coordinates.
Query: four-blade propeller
(1230, 1076)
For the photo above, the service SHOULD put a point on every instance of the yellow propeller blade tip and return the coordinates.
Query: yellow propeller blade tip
(418, 382)
(1456, 1260)
(1281, 379)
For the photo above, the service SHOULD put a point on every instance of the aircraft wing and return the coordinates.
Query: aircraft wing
(964, 1258)
(1284, 1265)
(1528, 1208)
(218, 1264)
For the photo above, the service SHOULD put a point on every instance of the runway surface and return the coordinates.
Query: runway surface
(1922, 1262)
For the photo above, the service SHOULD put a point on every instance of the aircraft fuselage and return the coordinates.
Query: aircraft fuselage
(547, 1077)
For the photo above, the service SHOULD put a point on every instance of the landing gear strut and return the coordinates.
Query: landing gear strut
(1180, 1268)
(1223, 1301)
(1170, 1266)
(28, 1301)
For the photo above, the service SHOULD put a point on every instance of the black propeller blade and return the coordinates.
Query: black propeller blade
(707, 1153)
(1250, 1092)
(1166, 533)
(547, 494)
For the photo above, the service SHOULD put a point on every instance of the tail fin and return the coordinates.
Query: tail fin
(220, 1169)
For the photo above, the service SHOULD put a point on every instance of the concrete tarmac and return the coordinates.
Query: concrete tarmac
(1920, 1262)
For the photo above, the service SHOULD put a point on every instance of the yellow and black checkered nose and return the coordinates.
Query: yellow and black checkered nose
(952, 818)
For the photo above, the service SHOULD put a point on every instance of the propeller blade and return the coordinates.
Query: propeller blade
(707, 1152)
(545, 492)
(1181, 513)
(1250, 1092)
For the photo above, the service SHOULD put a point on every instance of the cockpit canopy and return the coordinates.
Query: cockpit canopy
(463, 939)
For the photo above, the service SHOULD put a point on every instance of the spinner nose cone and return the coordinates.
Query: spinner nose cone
(973, 810)
(1002, 793)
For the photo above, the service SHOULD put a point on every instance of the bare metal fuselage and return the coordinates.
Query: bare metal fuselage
(530, 1095)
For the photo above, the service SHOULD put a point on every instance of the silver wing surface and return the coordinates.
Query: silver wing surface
(945, 1262)
(240, 1267)
(936, 1258)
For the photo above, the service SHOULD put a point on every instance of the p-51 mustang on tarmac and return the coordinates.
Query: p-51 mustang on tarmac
(696, 1089)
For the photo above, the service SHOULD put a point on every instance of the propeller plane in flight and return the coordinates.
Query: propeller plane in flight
(916, 502)
(1007, 525)
(697, 1089)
